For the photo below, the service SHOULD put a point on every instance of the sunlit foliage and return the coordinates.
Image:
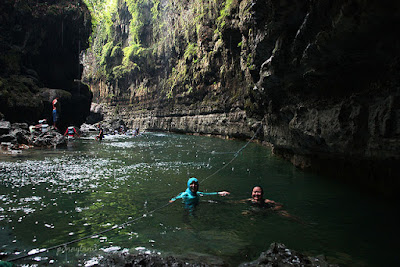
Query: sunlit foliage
(152, 29)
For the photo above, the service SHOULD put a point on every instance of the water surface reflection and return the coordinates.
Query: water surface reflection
(48, 197)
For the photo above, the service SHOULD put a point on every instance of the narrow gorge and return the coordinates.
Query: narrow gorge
(320, 77)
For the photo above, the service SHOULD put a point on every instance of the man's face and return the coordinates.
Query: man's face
(257, 193)
(194, 187)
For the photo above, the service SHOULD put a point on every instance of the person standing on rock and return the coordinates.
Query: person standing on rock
(55, 112)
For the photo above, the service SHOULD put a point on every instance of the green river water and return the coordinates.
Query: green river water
(49, 197)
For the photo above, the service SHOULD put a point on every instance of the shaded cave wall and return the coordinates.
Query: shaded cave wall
(40, 44)
(329, 92)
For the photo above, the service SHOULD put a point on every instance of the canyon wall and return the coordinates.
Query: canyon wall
(322, 77)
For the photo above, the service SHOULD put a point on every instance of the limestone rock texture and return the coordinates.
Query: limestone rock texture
(328, 88)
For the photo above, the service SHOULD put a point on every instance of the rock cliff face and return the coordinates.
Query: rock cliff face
(40, 44)
(328, 90)
(321, 76)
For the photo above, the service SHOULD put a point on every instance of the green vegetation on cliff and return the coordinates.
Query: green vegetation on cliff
(113, 59)
(175, 42)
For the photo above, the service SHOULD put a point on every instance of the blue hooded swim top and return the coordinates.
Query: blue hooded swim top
(189, 196)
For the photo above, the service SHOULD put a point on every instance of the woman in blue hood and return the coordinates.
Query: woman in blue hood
(192, 193)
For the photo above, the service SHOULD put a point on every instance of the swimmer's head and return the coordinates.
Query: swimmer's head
(193, 184)
(191, 180)
(257, 193)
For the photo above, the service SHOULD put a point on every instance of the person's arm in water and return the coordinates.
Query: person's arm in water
(180, 195)
(275, 205)
(221, 193)
(246, 200)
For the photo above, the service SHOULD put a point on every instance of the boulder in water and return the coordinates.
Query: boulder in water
(88, 128)
(51, 138)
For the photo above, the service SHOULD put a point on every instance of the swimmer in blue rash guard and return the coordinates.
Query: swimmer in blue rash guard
(192, 194)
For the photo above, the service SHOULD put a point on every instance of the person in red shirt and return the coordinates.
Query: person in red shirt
(55, 114)
(71, 132)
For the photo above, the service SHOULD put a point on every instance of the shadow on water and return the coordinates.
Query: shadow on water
(49, 197)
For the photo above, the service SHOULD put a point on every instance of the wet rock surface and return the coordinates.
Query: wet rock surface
(51, 138)
(142, 259)
(277, 255)
(88, 128)
(16, 136)
(5, 127)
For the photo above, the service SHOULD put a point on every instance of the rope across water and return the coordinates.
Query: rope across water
(120, 226)
(235, 155)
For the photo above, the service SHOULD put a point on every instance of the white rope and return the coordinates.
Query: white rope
(236, 154)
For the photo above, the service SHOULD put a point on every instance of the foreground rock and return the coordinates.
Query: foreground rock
(277, 255)
(125, 259)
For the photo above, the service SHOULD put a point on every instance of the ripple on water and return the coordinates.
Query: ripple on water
(64, 171)
(67, 175)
